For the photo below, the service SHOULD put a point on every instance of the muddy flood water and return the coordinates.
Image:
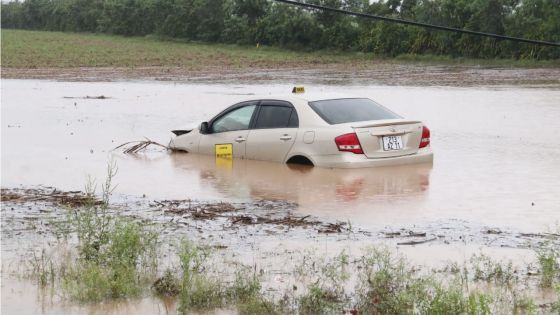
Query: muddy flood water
(496, 165)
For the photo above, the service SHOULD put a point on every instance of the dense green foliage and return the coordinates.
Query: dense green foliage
(268, 23)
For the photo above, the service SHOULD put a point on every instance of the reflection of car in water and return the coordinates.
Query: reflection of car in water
(321, 131)
(311, 188)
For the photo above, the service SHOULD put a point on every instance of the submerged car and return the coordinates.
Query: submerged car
(337, 132)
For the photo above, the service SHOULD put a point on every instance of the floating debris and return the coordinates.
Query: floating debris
(551, 236)
(57, 197)
(100, 97)
(492, 231)
(242, 219)
(331, 228)
(417, 242)
(415, 234)
(257, 213)
(392, 234)
(404, 234)
(132, 147)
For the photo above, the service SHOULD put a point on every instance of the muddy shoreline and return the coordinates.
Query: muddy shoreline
(284, 250)
(28, 208)
(395, 74)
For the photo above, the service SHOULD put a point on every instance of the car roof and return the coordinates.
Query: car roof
(307, 97)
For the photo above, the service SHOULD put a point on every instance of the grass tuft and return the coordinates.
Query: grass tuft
(114, 257)
(326, 293)
(199, 290)
(488, 270)
(42, 268)
(549, 262)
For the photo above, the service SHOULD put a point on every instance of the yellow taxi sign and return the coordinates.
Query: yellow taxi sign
(224, 155)
(298, 89)
(224, 151)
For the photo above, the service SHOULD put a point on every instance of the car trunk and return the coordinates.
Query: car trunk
(388, 138)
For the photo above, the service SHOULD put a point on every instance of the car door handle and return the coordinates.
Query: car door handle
(240, 139)
(286, 137)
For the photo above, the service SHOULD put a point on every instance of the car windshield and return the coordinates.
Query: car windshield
(340, 111)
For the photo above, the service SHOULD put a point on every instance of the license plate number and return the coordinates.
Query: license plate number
(392, 143)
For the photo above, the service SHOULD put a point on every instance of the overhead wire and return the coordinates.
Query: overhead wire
(419, 24)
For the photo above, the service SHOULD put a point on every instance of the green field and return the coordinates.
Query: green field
(34, 49)
(39, 49)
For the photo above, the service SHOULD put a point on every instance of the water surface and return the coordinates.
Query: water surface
(496, 151)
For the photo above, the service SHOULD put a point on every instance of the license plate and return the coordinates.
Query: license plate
(392, 143)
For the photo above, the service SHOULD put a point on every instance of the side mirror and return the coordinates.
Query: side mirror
(203, 128)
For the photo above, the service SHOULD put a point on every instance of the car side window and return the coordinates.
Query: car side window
(237, 119)
(271, 116)
(294, 120)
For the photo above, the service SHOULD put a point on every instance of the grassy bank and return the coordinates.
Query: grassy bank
(38, 49)
(375, 282)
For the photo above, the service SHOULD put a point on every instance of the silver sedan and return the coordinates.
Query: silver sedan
(306, 129)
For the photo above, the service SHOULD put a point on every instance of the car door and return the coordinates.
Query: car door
(230, 128)
(273, 131)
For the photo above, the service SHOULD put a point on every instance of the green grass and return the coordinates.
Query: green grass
(384, 283)
(113, 258)
(33, 49)
(549, 263)
(40, 49)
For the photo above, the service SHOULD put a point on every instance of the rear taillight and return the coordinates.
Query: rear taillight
(425, 141)
(349, 143)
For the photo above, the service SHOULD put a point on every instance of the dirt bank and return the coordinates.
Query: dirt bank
(335, 74)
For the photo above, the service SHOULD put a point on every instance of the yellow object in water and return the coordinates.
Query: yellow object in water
(224, 151)
(222, 163)
(224, 155)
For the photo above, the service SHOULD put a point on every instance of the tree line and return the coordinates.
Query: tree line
(276, 24)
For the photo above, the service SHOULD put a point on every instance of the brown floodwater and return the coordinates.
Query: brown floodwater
(26, 297)
(497, 158)
(496, 151)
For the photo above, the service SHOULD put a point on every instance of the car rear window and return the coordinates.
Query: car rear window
(340, 111)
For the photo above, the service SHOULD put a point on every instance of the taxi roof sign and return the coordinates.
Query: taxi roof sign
(298, 89)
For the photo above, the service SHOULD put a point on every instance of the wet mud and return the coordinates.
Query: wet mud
(406, 74)
(35, 210)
